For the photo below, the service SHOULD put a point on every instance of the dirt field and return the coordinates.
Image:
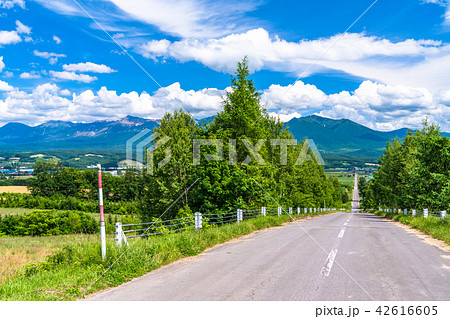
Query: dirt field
(14, 189)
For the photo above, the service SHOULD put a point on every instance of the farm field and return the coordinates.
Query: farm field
(16, 252)
(14, 189)
(16, 211)
(345, 180)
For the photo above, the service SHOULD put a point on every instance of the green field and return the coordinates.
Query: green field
(16, 252)
(344, 180)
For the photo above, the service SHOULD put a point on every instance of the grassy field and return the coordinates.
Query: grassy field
(344, 180)
(14, 189)
(16, 252)
(16, 211)
(78, 270)
(431, 226)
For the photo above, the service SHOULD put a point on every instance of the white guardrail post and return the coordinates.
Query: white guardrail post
(425, 212)
(198, 221)
(239, 215)
(413, 213)
(405, 212)
(279, 211)
(290, 210)
(443, 213)
(306, 210)
(120, 236)
(298, 210)
(263, 211)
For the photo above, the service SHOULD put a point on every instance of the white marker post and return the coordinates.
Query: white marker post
(102, 216)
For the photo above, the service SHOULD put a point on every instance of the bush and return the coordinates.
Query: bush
(48, 223)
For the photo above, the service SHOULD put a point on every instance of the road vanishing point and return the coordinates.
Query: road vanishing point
(341, 256)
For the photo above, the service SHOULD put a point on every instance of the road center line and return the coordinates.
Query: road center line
(329, 263)
(341, 234)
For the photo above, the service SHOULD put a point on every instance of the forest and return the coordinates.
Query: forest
(414, 173)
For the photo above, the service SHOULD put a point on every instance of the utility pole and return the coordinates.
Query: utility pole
(102, 216)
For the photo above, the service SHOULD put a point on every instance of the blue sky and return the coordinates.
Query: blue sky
(390, 70)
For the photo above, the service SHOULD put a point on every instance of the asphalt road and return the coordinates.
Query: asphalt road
(342, 256)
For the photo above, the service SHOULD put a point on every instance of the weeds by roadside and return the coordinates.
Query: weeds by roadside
(434, 227)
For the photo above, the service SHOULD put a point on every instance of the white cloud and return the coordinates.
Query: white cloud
(66, 7)
(50, 56)
(8, 74)
(56, 39)
(285, 117)
(442, 3)
(22, 28)
(88, 67)
(8, 4)
(9, 37)
(2, 64)
(13, 37)
(417, 63)
(29, 75)
(190, 18)
(72, 76)
(49, 102)
(5, 86)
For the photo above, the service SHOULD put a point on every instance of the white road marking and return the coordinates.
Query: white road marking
(341, 234)
(329, 263)
(345, 224)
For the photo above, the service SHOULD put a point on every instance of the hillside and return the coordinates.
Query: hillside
(59, 135)
(340, 140)
(342, 136)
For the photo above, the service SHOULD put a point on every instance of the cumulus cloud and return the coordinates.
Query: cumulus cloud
(50, 56)
(2, 64)
(49, 102)
(88, 67)
(13, 37)
(22, 28)
(4, 86)
(410, 62)
(56, 39)
(72, 76)
(9, 37)
(30, 75)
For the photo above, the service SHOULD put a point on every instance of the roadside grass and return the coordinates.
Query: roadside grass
(432, 226)
(16, 252)
(78, 270)
(14, 189)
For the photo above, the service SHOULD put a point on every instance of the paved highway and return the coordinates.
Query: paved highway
(342, 256)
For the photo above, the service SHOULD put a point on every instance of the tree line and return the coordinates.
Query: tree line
(414, 173)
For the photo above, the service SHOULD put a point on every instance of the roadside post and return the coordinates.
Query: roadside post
(102, 215)
(198, 221)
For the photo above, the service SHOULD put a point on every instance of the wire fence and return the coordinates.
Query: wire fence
(198, 221)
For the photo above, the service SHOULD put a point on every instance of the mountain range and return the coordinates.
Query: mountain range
(342, 137)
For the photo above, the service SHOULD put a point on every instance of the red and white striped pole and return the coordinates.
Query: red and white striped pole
(102, 216)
